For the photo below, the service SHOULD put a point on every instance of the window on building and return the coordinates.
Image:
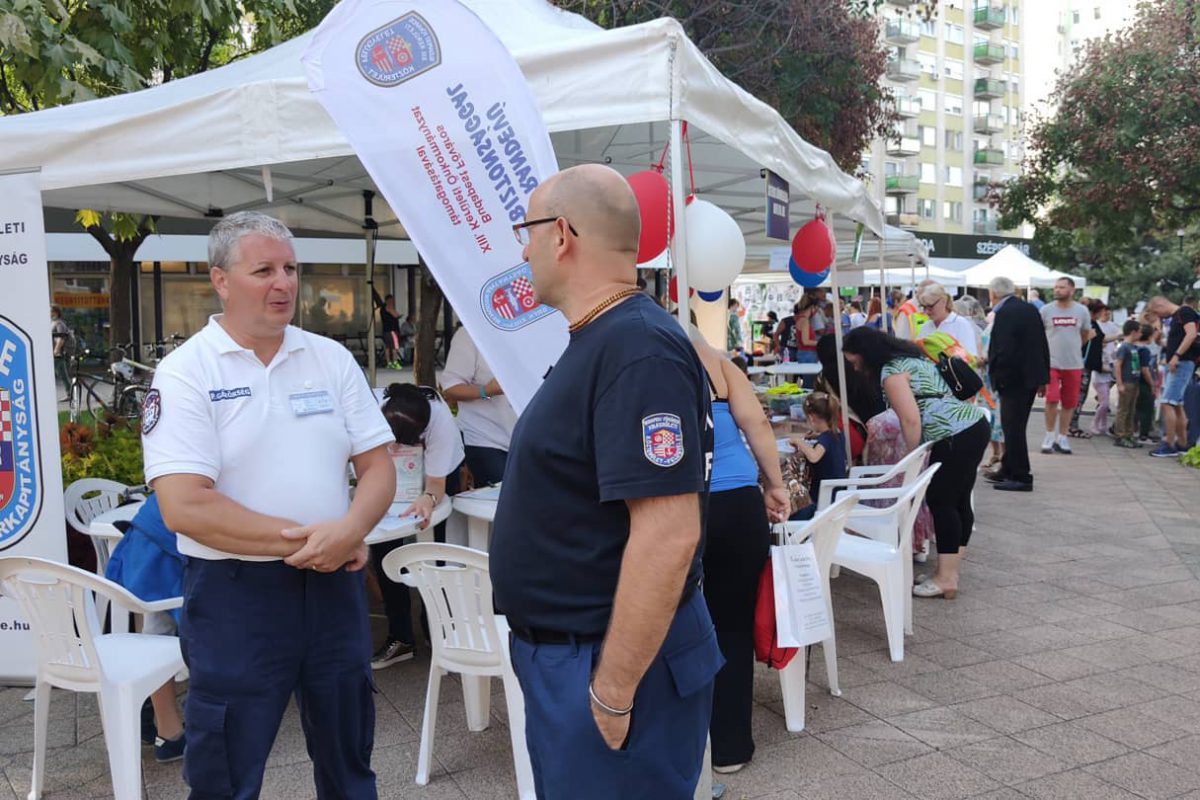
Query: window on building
(929, 27)
(928, 135)
(954, 103)
(980, 215)
(952, 211)
(928, 173)
(954, 140)
(1096, 12)
(891, 205)
(954, 33)
(926, 207)
(952, 68)
(954, 176)
(928, 99)
(1014, 52)
(928, 63)
(1075, 17)
(1014, 14)
(891, 168)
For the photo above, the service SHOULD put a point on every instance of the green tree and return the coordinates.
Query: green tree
(54, 52)
(819, 62)
(1114, 171)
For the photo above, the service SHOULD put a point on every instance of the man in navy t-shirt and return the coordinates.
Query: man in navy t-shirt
(595, 551)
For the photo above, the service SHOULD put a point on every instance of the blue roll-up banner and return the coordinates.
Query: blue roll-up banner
(442, 118)
(31, 509)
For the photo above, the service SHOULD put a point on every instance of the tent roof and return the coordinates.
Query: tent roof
(1012, 263)
(198, 146)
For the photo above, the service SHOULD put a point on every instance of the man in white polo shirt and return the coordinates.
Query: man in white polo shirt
(247, 433)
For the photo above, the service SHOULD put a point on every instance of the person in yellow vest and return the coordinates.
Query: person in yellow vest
(908, 317)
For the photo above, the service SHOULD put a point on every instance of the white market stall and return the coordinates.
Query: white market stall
(1022, 270)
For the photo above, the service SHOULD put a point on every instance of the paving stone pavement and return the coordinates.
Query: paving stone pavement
(1067, 669)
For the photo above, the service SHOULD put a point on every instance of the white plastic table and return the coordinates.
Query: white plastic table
(793, 370)
(391, 527)
(479, 507)
(104, 526)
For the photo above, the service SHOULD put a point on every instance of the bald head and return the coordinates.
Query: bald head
(598, 202)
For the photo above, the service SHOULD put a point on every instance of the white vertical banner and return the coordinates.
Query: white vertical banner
(445, 123)
(31, 510)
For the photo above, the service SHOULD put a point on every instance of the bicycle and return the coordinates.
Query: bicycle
(129, 388)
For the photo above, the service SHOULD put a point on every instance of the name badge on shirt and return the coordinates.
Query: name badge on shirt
(307, 403)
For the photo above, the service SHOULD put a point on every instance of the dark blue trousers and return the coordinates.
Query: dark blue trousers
(254, 633)
(665, 752)
(486, 464)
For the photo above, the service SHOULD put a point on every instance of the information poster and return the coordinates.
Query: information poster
(801, 608)
(31, 511)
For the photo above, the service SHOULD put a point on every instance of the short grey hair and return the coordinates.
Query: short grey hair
(1002, 287)
(967, 306)
(225, 236)
(932, 293)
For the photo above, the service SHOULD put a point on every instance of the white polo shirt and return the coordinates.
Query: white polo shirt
(484, 423)
(275, 438)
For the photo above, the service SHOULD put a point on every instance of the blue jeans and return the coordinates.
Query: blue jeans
(665, 751)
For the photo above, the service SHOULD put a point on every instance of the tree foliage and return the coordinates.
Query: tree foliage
(818, 62)
(1114, 171)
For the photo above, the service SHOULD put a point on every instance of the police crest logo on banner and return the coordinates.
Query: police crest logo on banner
(662, 439)
(20, 474)
(509, 301)
(399, 51)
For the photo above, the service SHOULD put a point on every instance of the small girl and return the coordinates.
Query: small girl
(827, 454)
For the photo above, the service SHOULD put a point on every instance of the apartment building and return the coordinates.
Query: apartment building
(959, 79)
(1058, 30)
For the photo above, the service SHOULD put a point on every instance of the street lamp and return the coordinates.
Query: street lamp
(1179, 233)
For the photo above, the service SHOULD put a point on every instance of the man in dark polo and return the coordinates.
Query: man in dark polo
(595, 554)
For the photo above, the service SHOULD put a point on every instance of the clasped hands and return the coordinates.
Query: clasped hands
(327, 547)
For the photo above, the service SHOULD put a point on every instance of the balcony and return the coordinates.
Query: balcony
(988, 53)
(904, 220)
(902, 3)
(908, 107)
(988, 88)
(986, 227)
(902, 31)
(988, 157)
(988, 123)
(989, 17)
(980, 190)
(901, 184)
(903, 69)
(904, 147)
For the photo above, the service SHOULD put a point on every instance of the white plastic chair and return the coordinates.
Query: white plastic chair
(883, 552)
(87, 498)
(121, 668)
(876, 476)
(467, 638)
(823, 530)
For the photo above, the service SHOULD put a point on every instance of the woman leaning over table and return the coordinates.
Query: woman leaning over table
(928, 412)
(736, 543)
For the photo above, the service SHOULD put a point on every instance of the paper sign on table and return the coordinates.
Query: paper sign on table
(801, 609)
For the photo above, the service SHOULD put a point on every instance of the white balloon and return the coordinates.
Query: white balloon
(716, 248)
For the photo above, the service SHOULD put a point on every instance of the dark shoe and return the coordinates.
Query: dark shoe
(995, 476)
(393, 651)
(1014, 486)
(168, 750)
(1164, 450)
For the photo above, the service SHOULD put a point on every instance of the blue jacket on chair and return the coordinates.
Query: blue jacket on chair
(146, 560)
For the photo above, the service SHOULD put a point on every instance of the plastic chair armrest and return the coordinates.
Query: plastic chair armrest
(870, 471)
(160, 605)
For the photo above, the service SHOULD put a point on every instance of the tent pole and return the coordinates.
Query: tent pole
(841, 359)
(678, 250)
(370, 227)
(883, 298)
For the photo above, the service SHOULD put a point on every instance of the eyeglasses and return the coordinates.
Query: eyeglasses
(521, 229)
(929, 306)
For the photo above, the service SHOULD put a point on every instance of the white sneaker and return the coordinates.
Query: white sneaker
(1062, 446)
(1048, 443)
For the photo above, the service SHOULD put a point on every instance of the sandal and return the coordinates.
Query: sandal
(1079, 434)
(991, 462)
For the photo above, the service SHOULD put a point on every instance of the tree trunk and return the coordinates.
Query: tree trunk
(122, 272)
(424, 366)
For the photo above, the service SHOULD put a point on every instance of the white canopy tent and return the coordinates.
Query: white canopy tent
(1022, 270)
(250, 135)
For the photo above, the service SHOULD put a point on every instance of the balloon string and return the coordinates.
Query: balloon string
(687, 141)
(663, 160)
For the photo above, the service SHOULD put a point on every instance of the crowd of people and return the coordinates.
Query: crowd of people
(639, 489)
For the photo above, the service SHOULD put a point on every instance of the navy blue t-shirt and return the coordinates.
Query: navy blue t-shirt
(832, 465)
(624, 414)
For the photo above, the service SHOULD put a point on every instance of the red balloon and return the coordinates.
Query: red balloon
(654, 201)
(813, 248)
(673, 290)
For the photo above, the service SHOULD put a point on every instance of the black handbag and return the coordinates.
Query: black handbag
(963, 381)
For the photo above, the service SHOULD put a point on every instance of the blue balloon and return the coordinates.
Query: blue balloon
(808, 280)
(710, 297)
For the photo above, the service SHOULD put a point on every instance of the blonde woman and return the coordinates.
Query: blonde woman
(936, 303)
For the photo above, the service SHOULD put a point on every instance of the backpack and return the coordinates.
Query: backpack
(950, 358)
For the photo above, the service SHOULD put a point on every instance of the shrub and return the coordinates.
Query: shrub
(112, 450)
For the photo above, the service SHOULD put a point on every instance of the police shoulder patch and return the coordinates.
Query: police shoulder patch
(151, 411)
(662, 439)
